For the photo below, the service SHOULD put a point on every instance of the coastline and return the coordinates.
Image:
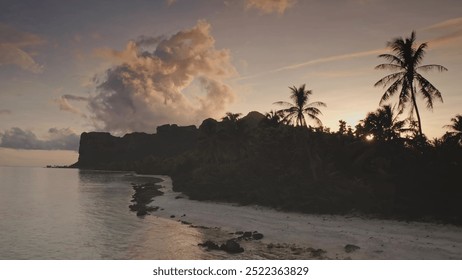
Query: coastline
(289, 235)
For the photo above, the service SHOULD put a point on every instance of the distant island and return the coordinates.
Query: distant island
(257, 159)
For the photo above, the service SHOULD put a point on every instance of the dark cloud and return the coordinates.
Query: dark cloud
(148, 88)
(64, 105)
(58, 139)
(148, 41)
(12, 45)
(74, 97)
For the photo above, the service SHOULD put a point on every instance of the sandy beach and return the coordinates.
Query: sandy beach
(297, 236)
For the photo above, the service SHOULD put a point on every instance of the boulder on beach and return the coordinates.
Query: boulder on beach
(232, 247)
(247, 234)
(257, 236)
(210, 245)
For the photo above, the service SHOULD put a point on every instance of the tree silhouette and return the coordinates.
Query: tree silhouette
(455, 132)
(295, 113)
(231, 117)
(383, 124)
(274, 118)
(406, 60)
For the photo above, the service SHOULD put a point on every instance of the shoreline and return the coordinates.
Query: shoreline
(295, 235)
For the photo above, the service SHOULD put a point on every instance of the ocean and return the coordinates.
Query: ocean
(70, 214)
(83, 215)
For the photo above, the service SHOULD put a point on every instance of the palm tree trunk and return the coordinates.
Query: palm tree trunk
(416, 110)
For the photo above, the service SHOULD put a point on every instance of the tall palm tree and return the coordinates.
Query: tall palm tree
(406, 60)
(455, 129)
(295, 113)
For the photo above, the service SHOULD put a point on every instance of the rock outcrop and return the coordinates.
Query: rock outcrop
(101, 150)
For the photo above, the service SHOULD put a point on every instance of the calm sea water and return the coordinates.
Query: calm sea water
(75, 214)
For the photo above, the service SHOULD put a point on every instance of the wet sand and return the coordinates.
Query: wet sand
(305, 236)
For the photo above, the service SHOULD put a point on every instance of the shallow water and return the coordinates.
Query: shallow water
(75, 214)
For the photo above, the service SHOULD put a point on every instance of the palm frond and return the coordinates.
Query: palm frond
(317, 103)
(388, 66)
(428, 89)
(427, 97)
(392, 58)
(389, 78)
(430, 67)
(283, 103)
(312, 111)
(315, 119)
(419, 54)
(392, 89)
(291, 110)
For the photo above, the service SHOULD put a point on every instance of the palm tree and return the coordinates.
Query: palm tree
(295, 113)
(231, 117)
(274, 118)
(455, 129)
(406, 60)
(383, 124)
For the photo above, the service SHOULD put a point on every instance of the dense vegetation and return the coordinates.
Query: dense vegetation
(315, 171)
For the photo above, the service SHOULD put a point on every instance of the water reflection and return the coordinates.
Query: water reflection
(111, 231)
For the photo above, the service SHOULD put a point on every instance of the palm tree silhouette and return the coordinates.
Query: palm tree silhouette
(274, 118)
(295, 113)
(455, 129)
(383, 124)
(406, 59)
(231, 117)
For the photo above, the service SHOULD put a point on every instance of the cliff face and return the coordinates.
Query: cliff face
(101, 150)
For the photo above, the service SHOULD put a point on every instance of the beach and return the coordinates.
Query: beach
(290, 235)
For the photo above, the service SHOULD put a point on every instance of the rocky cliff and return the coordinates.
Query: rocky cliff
(101, 150)
(134, 151)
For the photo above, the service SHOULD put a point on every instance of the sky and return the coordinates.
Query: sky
(67, 67)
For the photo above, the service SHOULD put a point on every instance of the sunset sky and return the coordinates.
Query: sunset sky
(120, 66)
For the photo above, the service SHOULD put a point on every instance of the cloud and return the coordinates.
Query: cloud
(64, 105)
(149, 88)
(330, 59)
(12, 45)
(58, 139)
(446, 39)
(450, 23)
(341, 73)
(5, 112)
(270, 6)
(74, 97)
(452, 28)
